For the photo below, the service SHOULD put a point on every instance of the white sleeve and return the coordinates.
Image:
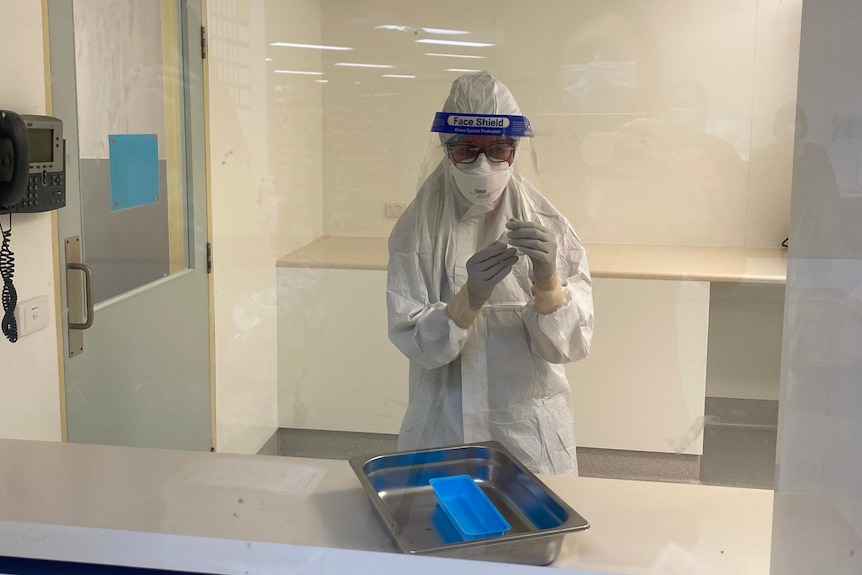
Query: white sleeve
(421, 329)
(565, 334)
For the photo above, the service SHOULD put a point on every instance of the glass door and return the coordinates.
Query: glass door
(127, 82)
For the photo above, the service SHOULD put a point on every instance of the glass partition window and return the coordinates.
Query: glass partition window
(666, 142)
(663, 139)
(130, 131)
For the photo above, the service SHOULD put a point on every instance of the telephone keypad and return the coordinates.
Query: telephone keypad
(40, 186)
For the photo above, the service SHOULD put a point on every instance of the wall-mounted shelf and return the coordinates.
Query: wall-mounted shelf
(717, 264)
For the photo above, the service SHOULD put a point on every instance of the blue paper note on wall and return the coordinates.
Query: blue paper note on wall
(134, 160)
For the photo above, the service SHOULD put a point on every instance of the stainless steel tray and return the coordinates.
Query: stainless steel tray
(397, 486)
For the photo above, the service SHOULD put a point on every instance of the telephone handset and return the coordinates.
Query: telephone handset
(14, 162)
(32, 163)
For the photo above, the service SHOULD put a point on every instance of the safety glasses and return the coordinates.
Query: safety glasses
(464, 153)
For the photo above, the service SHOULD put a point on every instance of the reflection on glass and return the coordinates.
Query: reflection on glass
(638, 128)
(656, 127)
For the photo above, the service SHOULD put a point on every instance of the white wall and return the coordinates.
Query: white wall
(29, 372)
(817, 526)
(265, 188)
(292, 185)
(615, 161)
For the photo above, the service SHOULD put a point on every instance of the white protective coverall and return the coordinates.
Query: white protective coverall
(502, 378)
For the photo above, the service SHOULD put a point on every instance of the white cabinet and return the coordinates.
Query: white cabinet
(644, 384)
(337, 369)
(642, 388)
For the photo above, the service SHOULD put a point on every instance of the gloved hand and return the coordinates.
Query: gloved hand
(485, 269)
(538, 243)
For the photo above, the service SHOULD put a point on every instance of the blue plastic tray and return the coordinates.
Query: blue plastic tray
(468, 508)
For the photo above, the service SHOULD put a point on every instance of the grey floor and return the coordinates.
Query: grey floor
(739, 443)
(738, 449)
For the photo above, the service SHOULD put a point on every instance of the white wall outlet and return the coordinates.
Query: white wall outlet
(32, 315)
(394, 209)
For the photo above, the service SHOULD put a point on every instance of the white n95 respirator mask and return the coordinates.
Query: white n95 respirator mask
(481, 181)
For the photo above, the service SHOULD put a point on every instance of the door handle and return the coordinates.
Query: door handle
(75, 331)
(88, 295)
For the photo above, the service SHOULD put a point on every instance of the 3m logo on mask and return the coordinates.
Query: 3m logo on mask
(481, 182)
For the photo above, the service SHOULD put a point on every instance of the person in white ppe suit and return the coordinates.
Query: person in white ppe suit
(488, 291)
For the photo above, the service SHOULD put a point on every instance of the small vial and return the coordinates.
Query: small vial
(504, 239)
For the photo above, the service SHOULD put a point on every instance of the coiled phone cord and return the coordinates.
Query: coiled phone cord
(10, 296)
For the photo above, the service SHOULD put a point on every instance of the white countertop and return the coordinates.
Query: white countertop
(637, 527)
(729, 264)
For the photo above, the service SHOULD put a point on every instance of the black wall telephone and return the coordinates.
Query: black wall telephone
(32, 163)
(32, 179)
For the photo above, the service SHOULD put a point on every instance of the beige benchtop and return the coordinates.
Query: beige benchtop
(728, 264)
(638, 527)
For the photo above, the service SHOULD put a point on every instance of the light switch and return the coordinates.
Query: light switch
(32, 315)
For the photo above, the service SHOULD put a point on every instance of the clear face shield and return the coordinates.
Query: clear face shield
(471, 139)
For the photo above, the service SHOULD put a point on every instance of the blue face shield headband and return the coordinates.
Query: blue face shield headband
(455, 124)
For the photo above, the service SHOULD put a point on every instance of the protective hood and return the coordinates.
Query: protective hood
(479, 105)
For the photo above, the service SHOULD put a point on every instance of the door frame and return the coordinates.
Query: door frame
(194, 22)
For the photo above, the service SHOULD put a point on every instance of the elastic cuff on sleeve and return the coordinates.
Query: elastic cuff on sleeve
(549, 295)
(459, 309)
